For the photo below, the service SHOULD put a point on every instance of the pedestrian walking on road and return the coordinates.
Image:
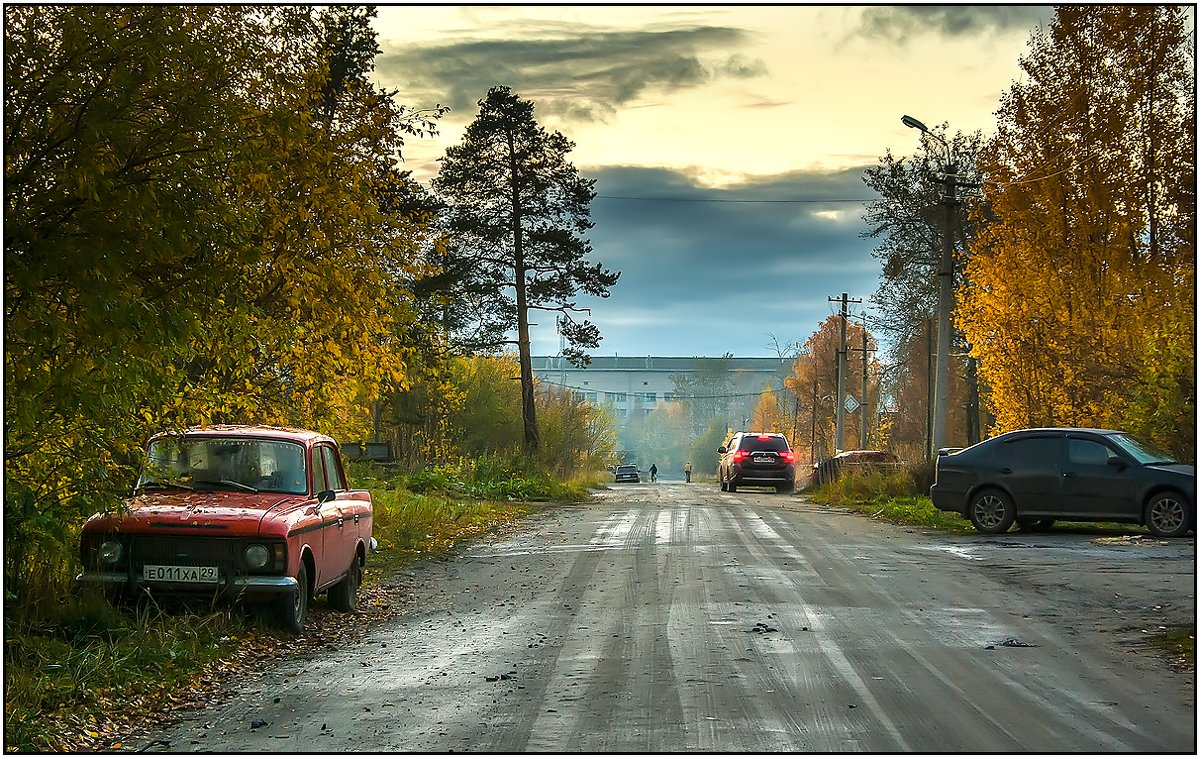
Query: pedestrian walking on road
(687, 471)
(653, 472)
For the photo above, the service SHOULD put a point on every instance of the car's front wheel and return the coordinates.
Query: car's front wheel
(292, 610)
(343, 596)
(1167, 515)
(992, 512)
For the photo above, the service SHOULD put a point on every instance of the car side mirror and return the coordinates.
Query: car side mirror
(325, 496)
(722, 450)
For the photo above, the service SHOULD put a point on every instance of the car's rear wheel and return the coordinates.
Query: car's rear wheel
(724, 484)
(1167, 515)
(1035, 524)
(785, 488)
(992, 512)
(730, 486)
(292, 610)
(343, 596)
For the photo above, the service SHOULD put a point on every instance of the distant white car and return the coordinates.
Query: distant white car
(627, 473)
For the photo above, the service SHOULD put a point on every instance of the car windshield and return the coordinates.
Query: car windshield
(252, 465)
(1142, 452)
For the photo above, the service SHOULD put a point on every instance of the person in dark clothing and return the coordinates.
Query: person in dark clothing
(653, 472)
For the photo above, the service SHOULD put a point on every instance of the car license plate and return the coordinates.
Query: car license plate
(763, 459)
(191, 574)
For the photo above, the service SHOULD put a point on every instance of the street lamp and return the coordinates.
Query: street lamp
(945, 292)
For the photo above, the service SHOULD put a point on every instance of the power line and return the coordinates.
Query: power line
(627, 197)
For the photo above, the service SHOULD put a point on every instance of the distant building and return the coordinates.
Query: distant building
(633, 386)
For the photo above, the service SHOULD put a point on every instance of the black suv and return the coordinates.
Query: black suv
(757, 459)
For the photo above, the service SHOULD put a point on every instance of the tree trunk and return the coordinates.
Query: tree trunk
(528, 413)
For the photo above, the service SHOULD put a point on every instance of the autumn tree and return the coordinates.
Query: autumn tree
(192, 233)
(768, 416)
(1081, 301)
(813, 382)
(516, 212)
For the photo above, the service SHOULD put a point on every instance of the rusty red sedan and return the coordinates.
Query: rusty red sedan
(258, 514)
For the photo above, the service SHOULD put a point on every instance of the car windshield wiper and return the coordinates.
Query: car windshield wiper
(165, 486)
(239, 485)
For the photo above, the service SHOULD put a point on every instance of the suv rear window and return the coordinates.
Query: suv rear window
(755, 443)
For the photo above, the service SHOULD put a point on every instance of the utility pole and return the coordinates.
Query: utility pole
(928, 389)
(812, 446)
(839, 444)
(945, 305)
(862, 412)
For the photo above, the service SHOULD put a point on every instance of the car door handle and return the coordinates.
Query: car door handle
(1005, 471)
(1068, 474)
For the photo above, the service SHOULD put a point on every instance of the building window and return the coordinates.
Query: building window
(651, 397)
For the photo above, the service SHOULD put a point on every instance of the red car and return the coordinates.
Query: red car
(256, 514)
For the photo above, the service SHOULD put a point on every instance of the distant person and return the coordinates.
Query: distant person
(687, 472)
(653, 472)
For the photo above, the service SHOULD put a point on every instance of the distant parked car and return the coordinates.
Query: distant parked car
(627, 473)
(252, 513)
(1034, 476)
(761, 459)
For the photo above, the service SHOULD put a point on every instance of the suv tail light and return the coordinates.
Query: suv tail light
(787, 455)
(740, 456)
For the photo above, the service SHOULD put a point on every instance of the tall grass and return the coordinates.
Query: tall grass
(896, 494)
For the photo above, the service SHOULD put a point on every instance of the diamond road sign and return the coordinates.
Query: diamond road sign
(851, 405)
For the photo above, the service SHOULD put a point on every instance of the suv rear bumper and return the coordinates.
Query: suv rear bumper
(764, 478)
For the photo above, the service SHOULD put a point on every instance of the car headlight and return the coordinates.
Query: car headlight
(257, 557)
(110, 552)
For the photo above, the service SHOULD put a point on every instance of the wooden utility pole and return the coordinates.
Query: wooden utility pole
(839, 436)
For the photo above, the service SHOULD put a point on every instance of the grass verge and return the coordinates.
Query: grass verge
(93, 674)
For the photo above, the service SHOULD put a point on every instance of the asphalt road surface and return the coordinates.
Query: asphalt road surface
(673, 617)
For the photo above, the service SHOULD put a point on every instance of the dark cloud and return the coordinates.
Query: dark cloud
(705, 272)
(573, 73)
(901, 23)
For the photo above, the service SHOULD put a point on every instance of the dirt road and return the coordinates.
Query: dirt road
(673, 617)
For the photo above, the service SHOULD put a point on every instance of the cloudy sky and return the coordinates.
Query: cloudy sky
(728, 143)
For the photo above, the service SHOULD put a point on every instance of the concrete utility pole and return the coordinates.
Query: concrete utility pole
(839, 437)
(945, 305)
(945, 290)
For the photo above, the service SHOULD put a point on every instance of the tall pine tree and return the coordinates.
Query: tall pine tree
(517, 211)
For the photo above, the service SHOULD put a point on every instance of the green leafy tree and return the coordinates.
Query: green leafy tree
(706, 392)
(517, 210)
(908, 220)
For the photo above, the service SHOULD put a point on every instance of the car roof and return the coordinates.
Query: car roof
(1061, 429)
(290, 434)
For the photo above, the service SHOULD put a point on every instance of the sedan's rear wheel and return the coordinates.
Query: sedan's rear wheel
(1167, 515)
(292, 610)
(992, 512)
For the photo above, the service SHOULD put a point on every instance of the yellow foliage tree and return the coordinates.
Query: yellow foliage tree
(1088, 244)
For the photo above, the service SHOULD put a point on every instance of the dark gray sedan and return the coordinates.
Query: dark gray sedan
(1033, 476)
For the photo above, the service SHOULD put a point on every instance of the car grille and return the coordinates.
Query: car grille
(185, 551)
